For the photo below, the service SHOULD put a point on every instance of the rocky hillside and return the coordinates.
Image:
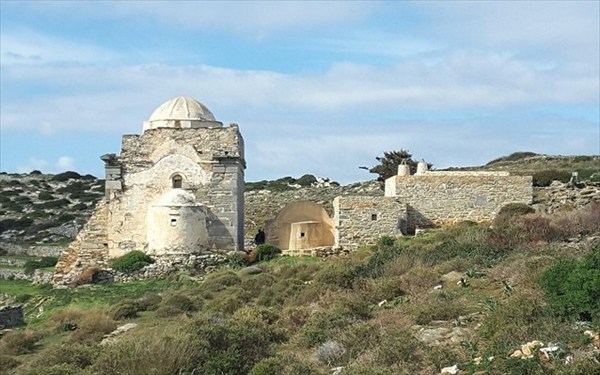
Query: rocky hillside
(46, 209)
(38, 209)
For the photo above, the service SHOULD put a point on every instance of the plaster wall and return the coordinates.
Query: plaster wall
(176, 229)
(306, 235)
(279, 230)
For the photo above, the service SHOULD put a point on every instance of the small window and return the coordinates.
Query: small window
(173, 222)
(302, 234)
(373, 217)
(177, 181)
(177, 124)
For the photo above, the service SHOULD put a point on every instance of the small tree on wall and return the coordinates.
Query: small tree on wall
(389, 162)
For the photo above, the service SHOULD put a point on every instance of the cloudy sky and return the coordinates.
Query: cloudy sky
(316, 87)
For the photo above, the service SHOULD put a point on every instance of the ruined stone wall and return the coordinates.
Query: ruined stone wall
(363, 220)
(211, 162)
(90, 248)
(437, 199)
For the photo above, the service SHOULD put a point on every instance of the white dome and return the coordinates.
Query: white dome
(182, 113)
(177, 197)
(182, 108)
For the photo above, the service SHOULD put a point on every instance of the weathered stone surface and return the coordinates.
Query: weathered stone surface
(363, 220)
(560, 196)
(443, 198)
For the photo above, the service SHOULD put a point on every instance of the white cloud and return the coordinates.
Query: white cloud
(247, 18)
(62, 164)
(123, 97)
(567, 28)
(65, 163)
(27, 47)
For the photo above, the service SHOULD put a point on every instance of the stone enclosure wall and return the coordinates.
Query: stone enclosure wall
(363, 220)
(445, 198)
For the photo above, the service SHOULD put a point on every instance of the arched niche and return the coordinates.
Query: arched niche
(301, 225)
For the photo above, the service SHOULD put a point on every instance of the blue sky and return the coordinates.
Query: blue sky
(316, 87)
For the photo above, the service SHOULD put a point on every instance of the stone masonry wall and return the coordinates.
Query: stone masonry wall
(442, 199)
(211, 162)
(363, 220)
(90, 248)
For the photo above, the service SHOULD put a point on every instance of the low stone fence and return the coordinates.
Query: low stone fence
(559, 195)
(10, 248)
(164, 266)
(37, 277)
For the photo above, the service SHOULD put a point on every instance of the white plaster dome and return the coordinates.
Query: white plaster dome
(181, 112)
(177, 197)
(182, 108)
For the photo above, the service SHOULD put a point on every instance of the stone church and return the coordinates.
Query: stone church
(175, 189)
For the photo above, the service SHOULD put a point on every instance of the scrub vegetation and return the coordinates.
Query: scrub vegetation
(468, 295)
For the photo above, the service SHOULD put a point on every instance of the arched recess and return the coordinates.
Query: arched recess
(301, 225)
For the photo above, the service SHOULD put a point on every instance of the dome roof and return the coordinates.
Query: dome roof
(182, 108)
(177, 197)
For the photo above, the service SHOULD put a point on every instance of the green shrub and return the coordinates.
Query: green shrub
(61, 369)
(22, 298)
(65, 176)
(322, 327)
(63, 218)
(545, 177)
(237, 260)
(45, 196)
(266, 252)
(21, 199)
(19, 342)
(73, 187)
(15, 224)
(284, 364)
(510, 211)
(513, 157)
(132, 261)
(179, 301)
(572, 287)
(8, 362)
(386, 241)
(397, 347)
(93, 326)
(306, 180)
(80, 207)
(63, 202)
(78, 355)
(232, 347)
(32, 265)
(126, 309)
(149, 302)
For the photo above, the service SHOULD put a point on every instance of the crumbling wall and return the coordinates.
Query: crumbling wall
(90, 248)
(363, 220)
